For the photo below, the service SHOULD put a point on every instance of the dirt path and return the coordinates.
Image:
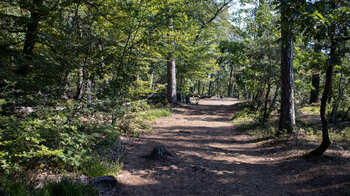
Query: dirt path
(212, 158)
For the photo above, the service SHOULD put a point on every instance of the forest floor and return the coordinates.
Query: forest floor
(214, 157)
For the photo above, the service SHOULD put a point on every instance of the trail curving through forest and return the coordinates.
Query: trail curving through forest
(213, 157)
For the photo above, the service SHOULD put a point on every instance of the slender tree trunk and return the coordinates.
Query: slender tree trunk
(210, 90)
(79, 92)
(274, 100)
(230, 86)
(218, 87)
(316, 79)
(203, 89)
(287, 114)
(151, 83)
(171, 73)
(265, 116)
(245, 94)
(199, 87)
(88, 88)
(332, 118)
(326, 142)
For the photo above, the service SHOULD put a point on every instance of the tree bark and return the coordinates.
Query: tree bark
(203, 89)
(171, 73)
(265, 116)
(210, 90)
(332, 118)
(199, 87)
(30, 37)
(218, 87)
(316, 88)
(230, 86)
(326, 142)
(316, 78)
(79, 92)
(287, 113)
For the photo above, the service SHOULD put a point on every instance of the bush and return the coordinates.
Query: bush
(65, 187)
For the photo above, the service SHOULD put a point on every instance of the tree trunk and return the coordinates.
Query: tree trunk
(171, 73)
(245, 93)
(30, 37)
(79, 92)
(230, 86)
(88, 88)
(287, 114)
(210, 90)
(203, 89)
(332, 118)
(316, 78)
(265, 116)
(326, 142)
(199, 87)
(274, 100)
(316, 88)
(218, 87)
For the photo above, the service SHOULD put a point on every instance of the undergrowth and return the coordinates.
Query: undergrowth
(65, 187)
(248, 121)
(69, 137)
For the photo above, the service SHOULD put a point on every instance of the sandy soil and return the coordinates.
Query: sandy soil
(213, 157)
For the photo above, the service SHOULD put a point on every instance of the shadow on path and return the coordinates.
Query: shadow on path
(214, 158)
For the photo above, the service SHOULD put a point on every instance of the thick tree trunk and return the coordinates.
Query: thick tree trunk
(171, 73)
(30, 37)
(316, 88)
(287, 113)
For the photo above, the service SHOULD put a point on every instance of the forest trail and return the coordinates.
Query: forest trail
(212, 157)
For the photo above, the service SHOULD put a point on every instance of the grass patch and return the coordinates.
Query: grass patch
(153, 114)
(101, 167)
(65, 187)
(313, 109)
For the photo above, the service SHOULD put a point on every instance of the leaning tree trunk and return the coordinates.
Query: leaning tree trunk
(326, 142)
(287, 113)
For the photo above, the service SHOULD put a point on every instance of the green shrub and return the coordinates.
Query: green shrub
(65, 187)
